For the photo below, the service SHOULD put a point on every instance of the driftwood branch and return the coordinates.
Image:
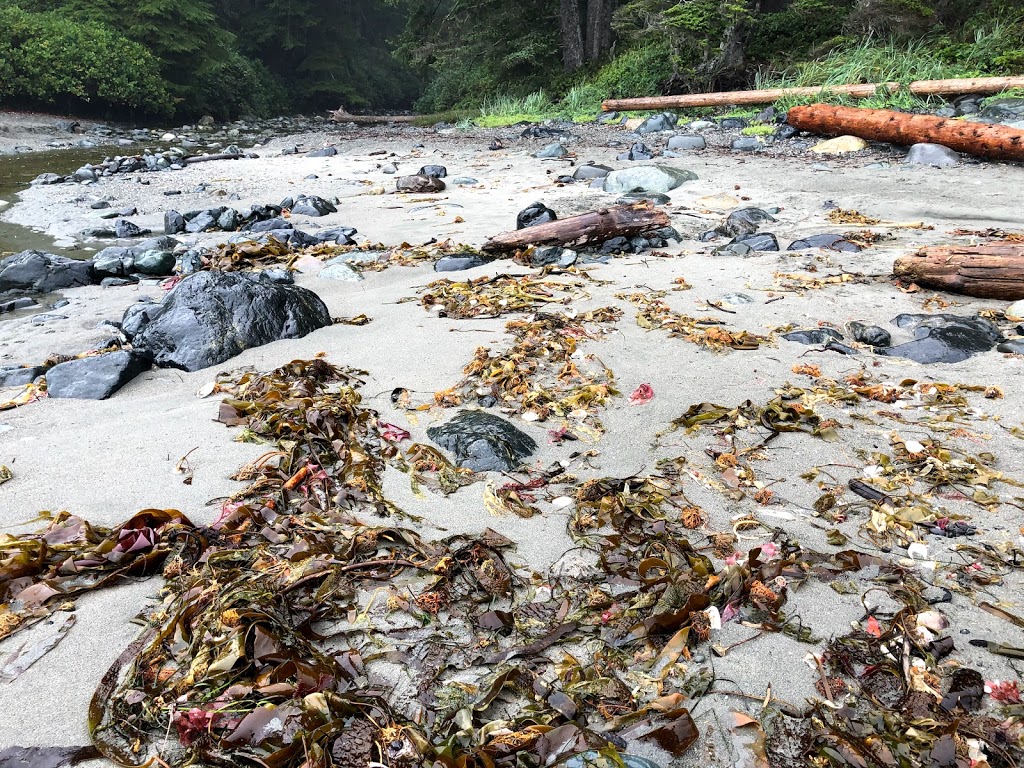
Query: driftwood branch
(586, 229)
(341, 116)
(985, 85)
(989, 271)
(997, 142)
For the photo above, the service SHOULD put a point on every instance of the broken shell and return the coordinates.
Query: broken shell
(932, 620)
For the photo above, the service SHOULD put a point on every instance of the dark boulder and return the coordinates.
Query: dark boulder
(419, 184)
(744, 222)
(871, 335)
(828, 241)
(210, 317)
(311, 205)
(94, 378)
(337, 235)
(944, 338)
(174, 223)
(483, 442)
(434, 171)
(325, 152)
(534, 214)
(42, 272)
(205, 221)
(759, 241)
(125, 229)
(19, 377)
(456, 262)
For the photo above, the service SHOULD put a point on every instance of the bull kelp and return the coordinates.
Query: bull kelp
(706, 332)
(498, 295)
(278, 622)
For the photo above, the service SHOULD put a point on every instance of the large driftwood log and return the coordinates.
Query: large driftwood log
(586, 229)
(989, 271)
(997, 142)
(860, 91)
(341, 116)
(222, 156)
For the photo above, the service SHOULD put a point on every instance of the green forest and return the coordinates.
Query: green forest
(496, 59)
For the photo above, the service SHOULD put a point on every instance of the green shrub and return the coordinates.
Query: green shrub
(799, 29)
(46, 59)
(237, 86)
(640, 71)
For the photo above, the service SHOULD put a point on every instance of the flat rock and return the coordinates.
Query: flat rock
(483, 442)
(944, 338)
(932, 154)
(590, 171)
(841, 145)
(666, 121)
(759, 241)
(647, 178)
(19, 377)
(552, 151)
(1015, 311)
(210, 317)
(746, 144)
(457, 262)
(687, 142)
(94, 378)
(42, 272)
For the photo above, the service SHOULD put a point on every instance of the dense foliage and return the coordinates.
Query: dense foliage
(227, 58)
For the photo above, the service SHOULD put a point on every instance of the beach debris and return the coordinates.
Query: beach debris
(989, 271)
(498, 295)
(263, 645)
(592, 228)
(540, 375)
(210, 317)
(29, 653)
(707, 332)
(6, 475)
(483, 442)
(641, 395)
(996, 142)
(46, 757)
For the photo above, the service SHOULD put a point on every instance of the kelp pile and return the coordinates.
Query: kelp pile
(706, 332)
(498, 295)
(538, 376)
(279, 621)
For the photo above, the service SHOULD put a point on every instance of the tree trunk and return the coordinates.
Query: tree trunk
(997, 142)
(861, 91)
(989, 271)
(599, 29)
(572, 35)
(586, 229)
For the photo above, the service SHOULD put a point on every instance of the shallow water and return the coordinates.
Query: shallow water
(16, 171)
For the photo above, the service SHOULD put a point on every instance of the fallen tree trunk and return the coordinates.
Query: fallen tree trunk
(345, 117)
(586, 229)
(222, 156)
(859, 91)
(989, 271)
(997, 142)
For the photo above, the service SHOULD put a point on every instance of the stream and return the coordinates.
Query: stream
(16, 171)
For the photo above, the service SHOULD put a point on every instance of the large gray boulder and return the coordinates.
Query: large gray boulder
(932, 154)
(647, 178)
(42, 272)
(210, 317)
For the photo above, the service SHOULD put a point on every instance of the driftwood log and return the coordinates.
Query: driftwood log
(222, 156)
(989, 271)
(997, 142)
(341, 116)
(859, 91)
(586, 229)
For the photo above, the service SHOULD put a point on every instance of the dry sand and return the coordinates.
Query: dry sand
(107, 460)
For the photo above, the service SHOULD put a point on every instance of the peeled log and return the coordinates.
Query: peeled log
(997, 142)
(857, 91)
(586, 229)
(989, 271)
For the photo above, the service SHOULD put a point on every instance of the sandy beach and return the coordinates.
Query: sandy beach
(106, 460)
